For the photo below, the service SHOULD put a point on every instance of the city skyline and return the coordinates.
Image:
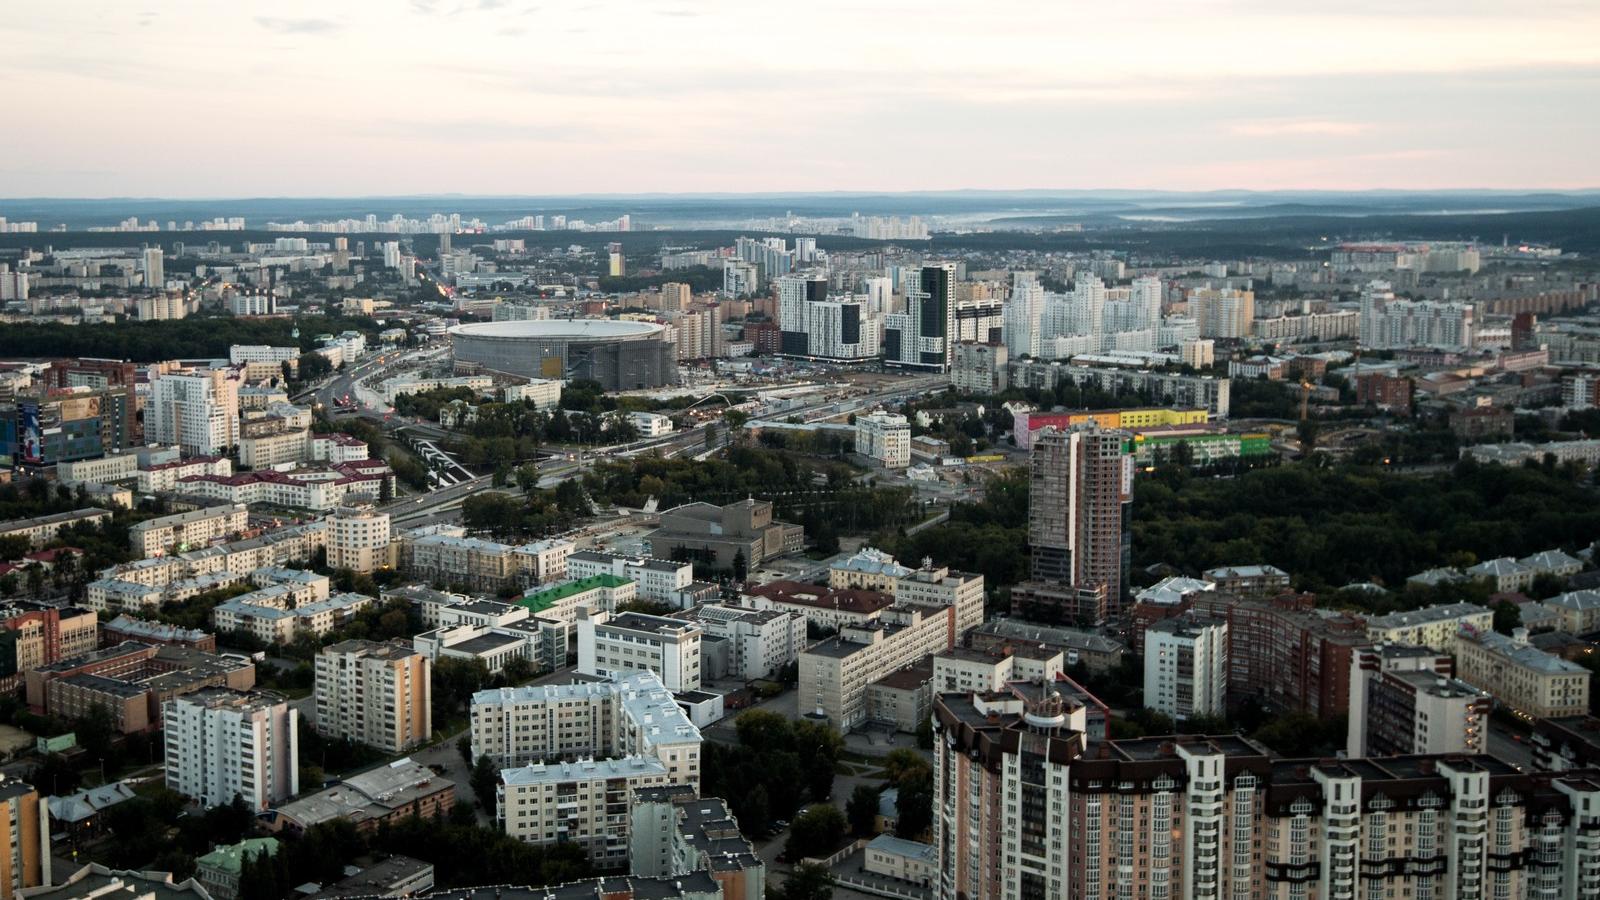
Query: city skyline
(506, 97)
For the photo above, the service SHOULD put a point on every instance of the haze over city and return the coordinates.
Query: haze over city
(196, 99)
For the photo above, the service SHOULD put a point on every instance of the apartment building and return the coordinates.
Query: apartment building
(41, 530)
(1080, 485)
(1521, 676)
(1434, 627)
(196, 409)
(375, 694)
(131, 681)
(587, 802)
(868, 569)
(222, 744)
(267, 616)
(562, 602)
(662, 580)
(543, 562)
(752, 643)
(938, 586)
(884, 439)
(155, 477)
(1579, 610)
(1285, 654)
(828, 607)
(194, 529)
(1186, 666)
(24, 838)
(835, 673)
(318, 488)
(37, 635)
(455, 559)
(126, 628)
(673, 832)
(385, 794)
(631, 715)
(108, 469)
(1022, 809)
(1182, 391)
(1403, 701)
(1251, 582)
(359, 540)
(632, 642)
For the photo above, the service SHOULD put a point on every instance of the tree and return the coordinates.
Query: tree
(808, 881)
(1507, 617)
(485, 778)
(903, 764)
(817, 831)
(740, 565)
(464, 747)
(862, 810)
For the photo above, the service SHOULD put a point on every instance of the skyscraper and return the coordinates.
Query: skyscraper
(197, 409)
(1022, 315)
(922, 336)
(155, 273)
(1024, 807)
(794, 292)
(1077, 510)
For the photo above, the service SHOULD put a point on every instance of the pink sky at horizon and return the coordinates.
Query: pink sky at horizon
(187, 98)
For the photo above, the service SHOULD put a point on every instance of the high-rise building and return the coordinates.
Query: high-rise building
(1022, 315)
(359, 540)
(634, 642)
(1023, 808)
(391, 254)
(24, 838)
(923, 336)
(196, 409)
(884, 438)
(1079, 491)
(1223, 313)
(224, 743)
(1403, 701)
(155, 273)
(374, 694)
(1186, 666)
(1388, 323)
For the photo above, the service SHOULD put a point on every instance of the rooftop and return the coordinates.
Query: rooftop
(584, 770)
(888, 843)
(1427, 615)
(539, 601)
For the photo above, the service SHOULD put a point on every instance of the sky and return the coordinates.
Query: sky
(199, 98)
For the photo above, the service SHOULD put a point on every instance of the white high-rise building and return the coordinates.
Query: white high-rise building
(884, 438)
(1186, 666)
(391, 254)
(358, 540)
(1022, 315)
(223, 744)
(633, 642)
(196, 409)
(374, 694)
(880, 295)
(155, 273)
(1388, 323)
(1223, 313)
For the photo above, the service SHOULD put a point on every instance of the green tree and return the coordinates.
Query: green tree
(862, 810)
(817, 831)
(485, 779)
(1507, 617)
(805, 882)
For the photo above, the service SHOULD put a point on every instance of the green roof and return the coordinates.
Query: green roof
(543, 600)
(230, 858)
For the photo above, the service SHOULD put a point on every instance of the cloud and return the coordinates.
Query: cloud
(299, 26)
(1299, 128)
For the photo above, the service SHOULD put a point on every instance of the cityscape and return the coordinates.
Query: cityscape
(521, 467)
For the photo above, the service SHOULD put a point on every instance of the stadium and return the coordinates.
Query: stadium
(620, 355)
